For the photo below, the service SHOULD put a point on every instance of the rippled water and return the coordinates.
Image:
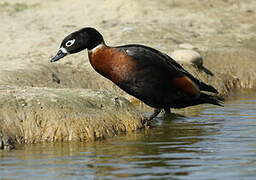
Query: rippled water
(208, 143)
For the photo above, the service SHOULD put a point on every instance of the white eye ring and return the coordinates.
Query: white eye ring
(70, 43)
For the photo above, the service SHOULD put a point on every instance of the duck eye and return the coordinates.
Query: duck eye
(70, 42)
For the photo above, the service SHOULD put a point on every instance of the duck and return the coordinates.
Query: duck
(141, 71)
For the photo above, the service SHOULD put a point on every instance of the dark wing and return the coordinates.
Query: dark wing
(151, 62)
(136, 50)
(202, 85)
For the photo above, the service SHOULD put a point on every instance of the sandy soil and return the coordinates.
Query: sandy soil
(223, 31)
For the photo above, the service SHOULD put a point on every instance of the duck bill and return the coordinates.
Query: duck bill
(60, 54)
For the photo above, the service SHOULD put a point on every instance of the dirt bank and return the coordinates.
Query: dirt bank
(222, 31)
(31, 115)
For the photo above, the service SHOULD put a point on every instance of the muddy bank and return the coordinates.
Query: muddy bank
(222, 31)
(31, 115)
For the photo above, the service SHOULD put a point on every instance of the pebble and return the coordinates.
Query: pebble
(186, 46)
(128, 29)
(187, 56)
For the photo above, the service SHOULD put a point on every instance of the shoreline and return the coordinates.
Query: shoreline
(222, 32)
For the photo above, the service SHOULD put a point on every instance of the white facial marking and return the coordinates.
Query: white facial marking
(96, 48)
(70, 42)
(63, 50)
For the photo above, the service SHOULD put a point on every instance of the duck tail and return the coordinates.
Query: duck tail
(206, 87)
(206, 98)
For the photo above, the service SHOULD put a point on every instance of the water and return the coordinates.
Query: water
(208, 143)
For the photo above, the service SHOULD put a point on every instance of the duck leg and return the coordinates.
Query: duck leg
(155, 113)
(167, 110)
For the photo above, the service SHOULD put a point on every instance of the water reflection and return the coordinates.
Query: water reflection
(206, 141)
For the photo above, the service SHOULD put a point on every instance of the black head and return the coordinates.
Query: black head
(86, 38)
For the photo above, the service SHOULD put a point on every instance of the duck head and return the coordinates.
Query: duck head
(86, 38)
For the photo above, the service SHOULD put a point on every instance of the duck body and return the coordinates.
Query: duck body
(145, 73)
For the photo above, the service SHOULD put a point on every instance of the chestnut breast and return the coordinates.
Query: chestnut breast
(112, 63)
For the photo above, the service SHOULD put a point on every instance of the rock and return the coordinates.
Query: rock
(128, 29)
(188, 56)
(186, 46)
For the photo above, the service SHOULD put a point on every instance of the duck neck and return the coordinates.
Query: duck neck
(97, 47)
